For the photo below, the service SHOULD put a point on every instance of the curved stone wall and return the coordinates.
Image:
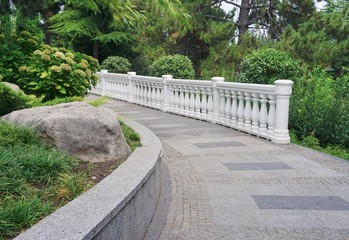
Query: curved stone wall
(121, 206)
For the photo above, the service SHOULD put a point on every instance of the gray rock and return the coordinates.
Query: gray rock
(12, 86)
(89, 133)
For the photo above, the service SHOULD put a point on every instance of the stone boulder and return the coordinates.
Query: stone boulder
(89, 133)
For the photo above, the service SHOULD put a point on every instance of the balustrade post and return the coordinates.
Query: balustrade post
(255, 112)
(216, 98)
(283, 91)
(103, 83)
(247, 111)
(165, 101)
(130, 87)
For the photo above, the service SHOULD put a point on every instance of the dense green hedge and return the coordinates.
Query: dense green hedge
(179, 66)
(266, 65)
(116, 64)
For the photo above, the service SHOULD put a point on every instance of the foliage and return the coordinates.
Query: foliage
(106, 21)
(99, 101)
(340, 113)
(312, 142)
(10, 100)
(15, 52)
(57, 73)
(59, 100)
(132, 138)
(323, 40)
(266, 65)
(319, 107)
(178, 66)
(33, 179)
(116, 64)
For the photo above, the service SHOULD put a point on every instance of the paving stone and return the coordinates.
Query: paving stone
(208, 201)
(257, 166)
(333, 203)
(219, 144)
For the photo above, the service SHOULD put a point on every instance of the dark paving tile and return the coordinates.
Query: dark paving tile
(219, 144)
(330, 203)
(257, 166)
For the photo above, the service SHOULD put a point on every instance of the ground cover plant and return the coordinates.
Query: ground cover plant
(35, 180)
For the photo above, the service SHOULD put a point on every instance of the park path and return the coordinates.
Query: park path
(223, 184)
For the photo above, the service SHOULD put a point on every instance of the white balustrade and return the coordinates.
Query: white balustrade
(261, 110)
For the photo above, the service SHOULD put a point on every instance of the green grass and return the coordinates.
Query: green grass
(99, 101)
(34, 180)
(132, 138)
(313, 142)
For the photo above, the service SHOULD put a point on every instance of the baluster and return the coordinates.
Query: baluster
(204, 103)
(153, 95)
(121, 86)
(124, 90)
(145, 93)
(255, 112)
(209, 103)
(141, 93)
(121, 89)
(176, 99)
(247, 111)
(136, 85)
(241, 109)
(227, 109)
(181, 99)
(149, 94)
(221, 106)
(263, 115)
(186, 101)
(191, 101)
(197, 103)
(115, 89)
(271, 114)
(158, 96)
(171, 98)
(118, 91)
(234, 108)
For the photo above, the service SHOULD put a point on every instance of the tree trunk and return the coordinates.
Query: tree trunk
(95, 49)
(242, 22)
(46, 14)
(47, 32)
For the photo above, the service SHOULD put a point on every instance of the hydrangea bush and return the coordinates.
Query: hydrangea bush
(57, 73)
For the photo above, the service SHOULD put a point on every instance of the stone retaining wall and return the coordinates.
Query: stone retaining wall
(121, 206)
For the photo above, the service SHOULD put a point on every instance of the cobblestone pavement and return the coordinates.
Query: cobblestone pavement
(224, 184)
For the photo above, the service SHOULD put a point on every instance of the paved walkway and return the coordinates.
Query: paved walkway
(224, 184)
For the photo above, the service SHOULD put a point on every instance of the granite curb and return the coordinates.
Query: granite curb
(121, 206)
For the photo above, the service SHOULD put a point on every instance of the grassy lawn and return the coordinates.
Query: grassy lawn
(35, 180)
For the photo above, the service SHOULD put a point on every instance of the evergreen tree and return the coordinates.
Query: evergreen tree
(106, 21)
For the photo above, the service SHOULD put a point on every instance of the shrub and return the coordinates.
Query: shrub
(58, 73)
(178, 66)
(116, 64)
(312, 107)
(11, 100)
(15, 52)
(264, 66)
(340, 113)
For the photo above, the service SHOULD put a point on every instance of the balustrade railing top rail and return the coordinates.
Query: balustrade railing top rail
(261, 110)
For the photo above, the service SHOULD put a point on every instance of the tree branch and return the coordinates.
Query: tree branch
(217, 18)
(232, 3)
